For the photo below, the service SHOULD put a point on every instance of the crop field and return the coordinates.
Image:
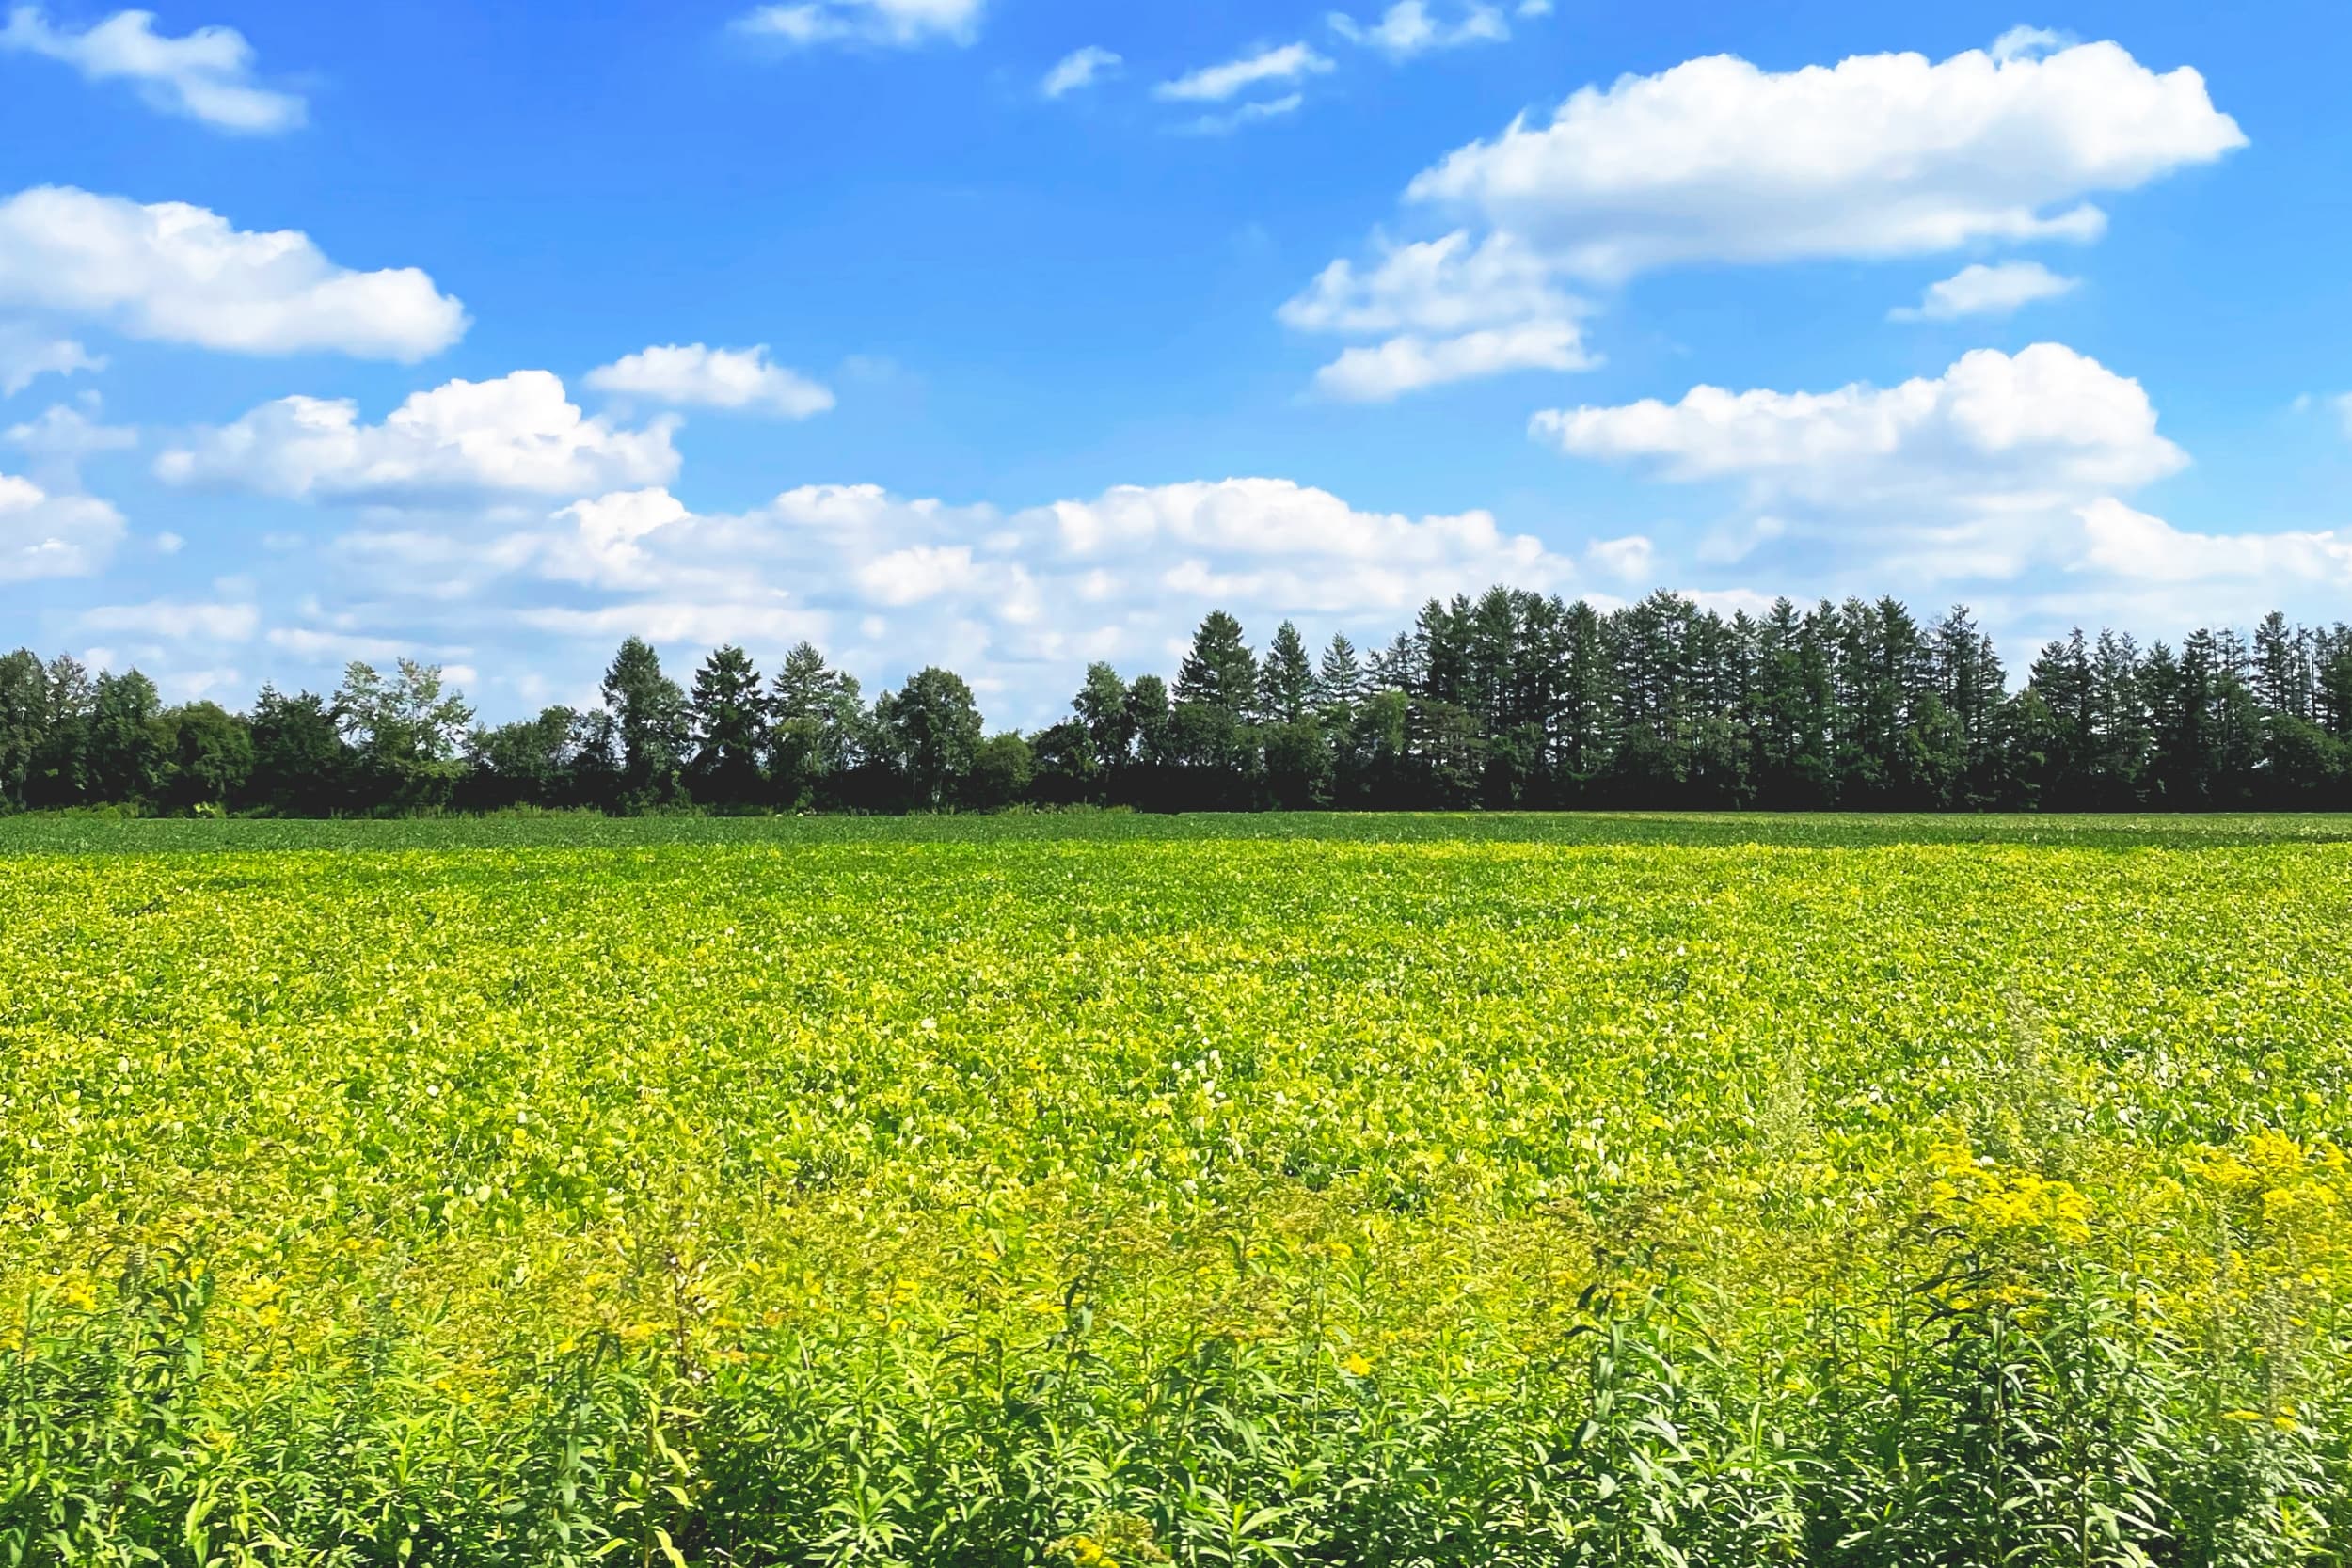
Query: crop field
(1109, 1191)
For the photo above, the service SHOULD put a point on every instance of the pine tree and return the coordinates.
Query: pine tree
(1339, 679)
(1219, 673)
(1286, 683)
(727, 716)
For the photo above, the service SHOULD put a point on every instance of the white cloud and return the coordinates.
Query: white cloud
(1408, 27)
(1987, 471)
(2133, 545)
(1445, 285)
(1081, 67)
(1217, 84)
(343, 647)
(1632, 560)
(1979, 289)
(893, 23)
(516, 434)
(1410, 362)
(1247, 114)
(1024, 597)
(206, 75)
(62, 437)
(1716, 160)
(697, 377)
(177, 622)
(2022, 42)
(25, 356)
(1454, 311)
(2047, 422)
(179, 273)
(45, 535)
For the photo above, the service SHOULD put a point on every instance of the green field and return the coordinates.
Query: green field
(1104, 1190)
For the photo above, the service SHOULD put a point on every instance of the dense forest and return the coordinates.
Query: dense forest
(1509, 700)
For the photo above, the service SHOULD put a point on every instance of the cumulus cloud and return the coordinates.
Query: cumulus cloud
(1410, 27)
(1024, 598)
(1717, 160)
(1879, 157)
(694, 375)
(25, 356)
(1453, 309)
(2045, 421)
(206, 75)
(179, 273)
(2131, 545)
(45, 535)
(1081, 67)
(1979, 289)
(2001, 464)
(892, 23)
(517, 433)
(1217, 84)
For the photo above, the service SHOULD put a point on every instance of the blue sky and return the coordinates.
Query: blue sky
(1010, 333)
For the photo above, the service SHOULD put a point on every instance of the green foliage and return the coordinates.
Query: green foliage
(1100, 1189)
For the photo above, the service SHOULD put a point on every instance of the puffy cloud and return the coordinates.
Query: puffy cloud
(1081, 67)
(2045, 422)
(893, 23)
(1979, 289)
(696, 376)
(207, 75)
(2000, 465)
(1217, 84)
(2133, 545)
(25, 356)
(1410, 362)
(1878, 155)
(1408, 28)
(1455, 309)
(520, 433)
(45, 535)
(177, 620)
(179, 273)
(1024, 598)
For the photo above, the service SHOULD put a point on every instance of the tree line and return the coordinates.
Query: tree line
(1508, 700)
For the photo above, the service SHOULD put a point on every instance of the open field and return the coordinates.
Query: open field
(1377, 1190)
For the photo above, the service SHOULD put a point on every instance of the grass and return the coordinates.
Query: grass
(1104, 1189)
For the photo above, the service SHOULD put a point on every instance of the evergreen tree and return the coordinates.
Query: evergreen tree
(820, 729)
(1286, 684)
(727, 716)
(1219, 673)
(1339, 680)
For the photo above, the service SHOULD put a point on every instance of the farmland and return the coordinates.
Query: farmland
(1104, 1190)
